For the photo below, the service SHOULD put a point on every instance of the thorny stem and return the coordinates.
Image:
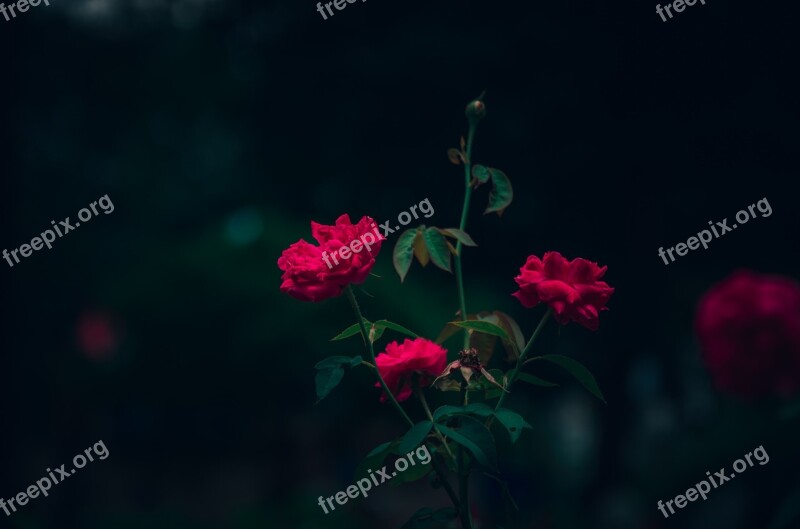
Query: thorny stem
(436, 465)
(463, 475)
(463, 225)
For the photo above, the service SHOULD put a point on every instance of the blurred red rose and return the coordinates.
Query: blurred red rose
(96, 335)
(401, 361)
(314, 273)
(571, 288)
(749, 330)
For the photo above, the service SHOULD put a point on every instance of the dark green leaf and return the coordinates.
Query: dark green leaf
(326, 380)
(449, 329)
(444, 411)
(437, 248)
(577, 370)
(516, 341)
(413, 437)
(351, 331)
(395, 327)
(478, 408)
(334, 361)
(412, 473)
(513, 422)
(404, 253)
(475, 437)
(501, 195)
(356, 361)
(481, 173)
(536, 381)
(375, 332)
(374, 459)
(482, 326)
(460, 236)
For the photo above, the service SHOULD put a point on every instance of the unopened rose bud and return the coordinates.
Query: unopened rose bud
(476, 111)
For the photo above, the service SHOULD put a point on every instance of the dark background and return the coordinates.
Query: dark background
(220, 129)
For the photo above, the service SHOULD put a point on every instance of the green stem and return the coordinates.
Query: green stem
(437, 467)
(421, 396)
(463, 226)
(389, 395)
(463, 474)
(521, 360)
(463, 492)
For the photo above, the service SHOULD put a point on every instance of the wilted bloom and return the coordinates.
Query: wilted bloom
(311, 273)
(571, 288)
(749, 330)
(400, 363)
(469, 364)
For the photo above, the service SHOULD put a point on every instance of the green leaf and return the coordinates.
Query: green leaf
(445, 514)
(444, 411)
(375, 332)
(420, 251)
(516, 342)
(501, 195)
(460, 236)
(338, 361)
(577, 370)
(475, 437)
(536, 381)
(437, 248)
(513, 422)
(395, 327)
(482, 326)
(374, 459)
(351, 331)
(477, 408)
(332, 361)
(404, 253)
(481, 173)
(326, 380)
(449, 329)
(412, 473)
(413, 437)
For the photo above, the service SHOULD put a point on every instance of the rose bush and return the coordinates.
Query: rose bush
(571, 288)
(307, 277)
(748, 327)
(461, 434)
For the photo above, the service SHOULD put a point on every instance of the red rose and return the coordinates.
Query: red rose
(571, 288)
(315, 273)
(400, 361)
(749, 330)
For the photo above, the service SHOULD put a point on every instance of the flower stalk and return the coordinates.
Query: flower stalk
(436, 466)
